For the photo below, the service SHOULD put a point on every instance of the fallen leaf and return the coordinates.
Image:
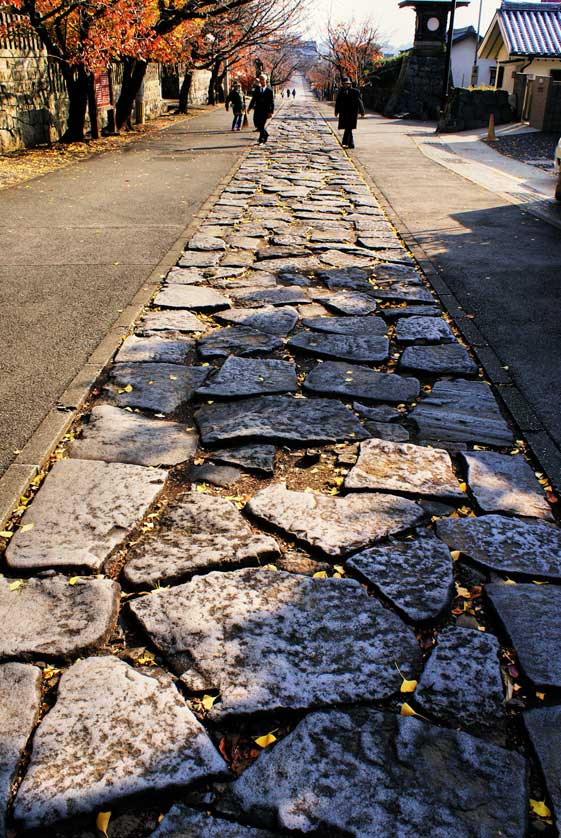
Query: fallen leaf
(266, 740)
(26, 527)
(102, 822)
(456, 554)
(208, 700)
(6, 534)
(407, 710)
(541, 696)
(461, 591)
(321, 574)
(408, 686)
(539, 808)
(13, 586)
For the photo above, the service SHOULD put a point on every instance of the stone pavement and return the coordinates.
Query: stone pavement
(282, 577)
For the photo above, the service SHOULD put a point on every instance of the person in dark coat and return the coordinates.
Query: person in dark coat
(263, 105)
(236, 99)
(348, 106)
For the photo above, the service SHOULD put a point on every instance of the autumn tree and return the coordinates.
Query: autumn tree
(351, 48)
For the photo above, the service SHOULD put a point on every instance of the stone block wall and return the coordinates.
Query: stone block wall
(472, 108)
(419, 87)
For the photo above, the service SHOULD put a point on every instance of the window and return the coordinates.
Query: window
(555, 75)
(492, 76)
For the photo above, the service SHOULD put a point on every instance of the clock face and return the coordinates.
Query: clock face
(433, 24)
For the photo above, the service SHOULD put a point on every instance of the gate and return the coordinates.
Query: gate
(552, 120)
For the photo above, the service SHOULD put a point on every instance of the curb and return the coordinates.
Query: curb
(543, 448)
(36, 452)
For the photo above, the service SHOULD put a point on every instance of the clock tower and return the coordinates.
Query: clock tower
(430, 24)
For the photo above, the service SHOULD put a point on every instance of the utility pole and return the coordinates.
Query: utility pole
(446, 79)
(475, 70)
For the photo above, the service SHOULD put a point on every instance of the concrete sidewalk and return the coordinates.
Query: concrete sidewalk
(81, 249)
(475, 221)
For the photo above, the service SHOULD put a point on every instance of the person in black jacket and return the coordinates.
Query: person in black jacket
(262, 104)
(347, 107)
(235, 98)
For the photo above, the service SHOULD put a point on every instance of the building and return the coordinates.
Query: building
(525, 41)
(464, 46)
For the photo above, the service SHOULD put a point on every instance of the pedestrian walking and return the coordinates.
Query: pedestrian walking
(347, 107)
(288, 92)
(263, 105)
(293, 94)
(282, 94)
(236, 99)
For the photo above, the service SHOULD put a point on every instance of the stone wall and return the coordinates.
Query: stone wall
(419, 87)
(472, 108)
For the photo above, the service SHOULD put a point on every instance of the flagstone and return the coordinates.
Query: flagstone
(270, 637)
(424, 330)
(237, 259)
(170, 321)
(283, 296)
(237, 340)
(445, 358)
(181, 822)
(117, 436)
(503, 483)
(392, 433)
(250, 377)
(506, 545)
(83, 510)
(380, 413)
(198, 533)
(350, 303)
(136, 735)
(334, 377)
(191, 296)
(185, 276)
(252, 457)
(406, 290)
(51, 618)
(200, 241)
(543, 726)
(334, 524)
(368, 325)
(352, 347)
(156, 350)
(340, 259)
(402, 467)
(415, 576)
(410, 311)
(162, 388)
(369, 774)
(279, 418)
(199, 259)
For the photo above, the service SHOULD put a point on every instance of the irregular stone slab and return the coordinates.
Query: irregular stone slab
(340, 259)
(369, 774)
(506, 544)
(411, 311)
(273, 296)
(236, 340)
(448, 358)
(336, 525)
(424, 330)
(162, 388)
(49, 617)
(544, 729)
(334, 377)
(118, 436)
(250, 280)
(295, 561)
(408, 291)
(245, 242)
(351, 347)
(171, 321)
(461, 411)
(248, 377)
(380, 413)
(237, 259)
(20, 702)
(253, 457)
(155, 350)
(293, 278)
(181, 822)
(185, 276)
(331, 236)
(351, 303)
(530, 616)
(215, 475)
(352, 279)
(279, 418)
(226, 272)
(254, 618)
(135, 736)
(269, 319)
(191, 296)
(82, 511)
(502, 483)
(282, 252)
(202, 242)
(297, 263)
(199, 259)
(347, 325)
(416, 576)
(393, 433)
(461, 683)
(200, 532)
(402, 467)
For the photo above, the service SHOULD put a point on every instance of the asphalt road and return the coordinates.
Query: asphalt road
(502, 264)
(75, 247)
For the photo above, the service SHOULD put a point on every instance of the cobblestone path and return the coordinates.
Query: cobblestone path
(282, 579)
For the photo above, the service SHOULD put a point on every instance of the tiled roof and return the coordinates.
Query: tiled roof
(464, 32)
(531, 28)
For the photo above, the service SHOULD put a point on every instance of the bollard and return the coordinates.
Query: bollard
(491, 136)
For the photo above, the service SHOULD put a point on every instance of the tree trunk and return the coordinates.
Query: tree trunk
(220, 95)
(212, 83)
(133, 76)
(184, 92)
(92, 108)
(78, 99)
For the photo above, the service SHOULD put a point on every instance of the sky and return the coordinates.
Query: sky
(396, 25)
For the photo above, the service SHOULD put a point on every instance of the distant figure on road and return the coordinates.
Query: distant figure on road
(293, 94)
(282, 94)
(288, 92)
(236, 99)
(347, 107)
(263, 105)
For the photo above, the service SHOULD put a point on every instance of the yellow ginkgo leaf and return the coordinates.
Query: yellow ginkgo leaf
(461, 591)
(321, 574)
(13, 586)
(339, 568)
(539, 808)
(102, 822)
(463, 487)
(456, 555)
(73, 580)
(541, 696)
(6, 534)
(208, 701)
(266, 740)
(407, 686)
(26, 527)
(407, 710)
